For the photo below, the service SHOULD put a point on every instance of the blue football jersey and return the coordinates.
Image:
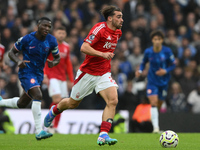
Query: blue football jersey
(163, 59)
(36, 51)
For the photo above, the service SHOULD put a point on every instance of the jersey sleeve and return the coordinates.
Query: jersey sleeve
(144, 61)
(21, 42)
(171, 61)
(54, 48)
(94, 35)
(2, 51)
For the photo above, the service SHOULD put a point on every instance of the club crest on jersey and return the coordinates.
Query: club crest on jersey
(78, 95)
(46, 49)
(149, 91)
(91, 37)
(32, 81)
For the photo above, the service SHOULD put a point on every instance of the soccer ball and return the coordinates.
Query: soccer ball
(169, 139)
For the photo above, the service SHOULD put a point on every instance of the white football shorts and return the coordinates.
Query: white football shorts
(58, 87)
(85, 83)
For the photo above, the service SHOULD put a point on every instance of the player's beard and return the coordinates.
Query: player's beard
(117, 26)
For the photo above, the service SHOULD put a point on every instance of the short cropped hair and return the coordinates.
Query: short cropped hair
(60, 28)
(157, 33)
(109, 11)
(43, 18)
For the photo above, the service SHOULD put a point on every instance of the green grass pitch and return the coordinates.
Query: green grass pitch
(133, 141)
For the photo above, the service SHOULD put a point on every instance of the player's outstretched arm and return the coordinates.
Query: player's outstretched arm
(54, 62)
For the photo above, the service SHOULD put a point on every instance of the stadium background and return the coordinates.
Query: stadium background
(178, 19)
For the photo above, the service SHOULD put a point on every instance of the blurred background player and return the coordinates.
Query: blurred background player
(57, 76)
(161, 62)
(94, 73)
(141, 118)
(6, 124)
(2, 51)
(35, 47)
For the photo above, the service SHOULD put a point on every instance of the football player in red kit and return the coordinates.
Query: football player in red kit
(95, 72)
(57, 76)
(2, 51)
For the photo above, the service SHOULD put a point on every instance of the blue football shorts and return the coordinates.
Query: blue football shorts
(161, 91)
(30, 80)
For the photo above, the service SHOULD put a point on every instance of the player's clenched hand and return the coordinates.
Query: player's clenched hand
(22, 63)
(161, 72)
(137, 74)
(50, 63)
(108, 55)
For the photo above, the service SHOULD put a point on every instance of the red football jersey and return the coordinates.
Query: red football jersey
(64, 67)
(103, 39)
(2, 51)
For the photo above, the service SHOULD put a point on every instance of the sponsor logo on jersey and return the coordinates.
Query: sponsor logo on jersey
(108, 45)
(109, 38)
(32, 81)
(31, 47)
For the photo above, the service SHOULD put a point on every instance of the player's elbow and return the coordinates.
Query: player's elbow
(84, 47)
(10, 54)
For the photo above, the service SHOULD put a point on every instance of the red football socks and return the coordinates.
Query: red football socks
(56, 121)
(56, 111)
(57, 118)
(105, 126)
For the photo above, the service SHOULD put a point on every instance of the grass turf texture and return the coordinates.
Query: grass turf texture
(134, 141)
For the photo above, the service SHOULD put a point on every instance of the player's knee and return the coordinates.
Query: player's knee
(37, 96)
(112, 102)
(72, 103)
(56, 98)
(56, 101)
(154, 104)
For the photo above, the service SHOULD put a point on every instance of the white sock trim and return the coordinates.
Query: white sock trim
(103, 133)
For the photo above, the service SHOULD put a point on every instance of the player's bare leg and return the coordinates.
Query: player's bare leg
(66, 103)
(111, 98)
(16, 102)
(160, 102)
(153, 99)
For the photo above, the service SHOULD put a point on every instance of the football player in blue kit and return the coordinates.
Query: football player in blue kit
(161, 62)
(35, 48)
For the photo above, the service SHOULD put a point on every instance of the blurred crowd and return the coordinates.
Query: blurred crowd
(178, 19)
